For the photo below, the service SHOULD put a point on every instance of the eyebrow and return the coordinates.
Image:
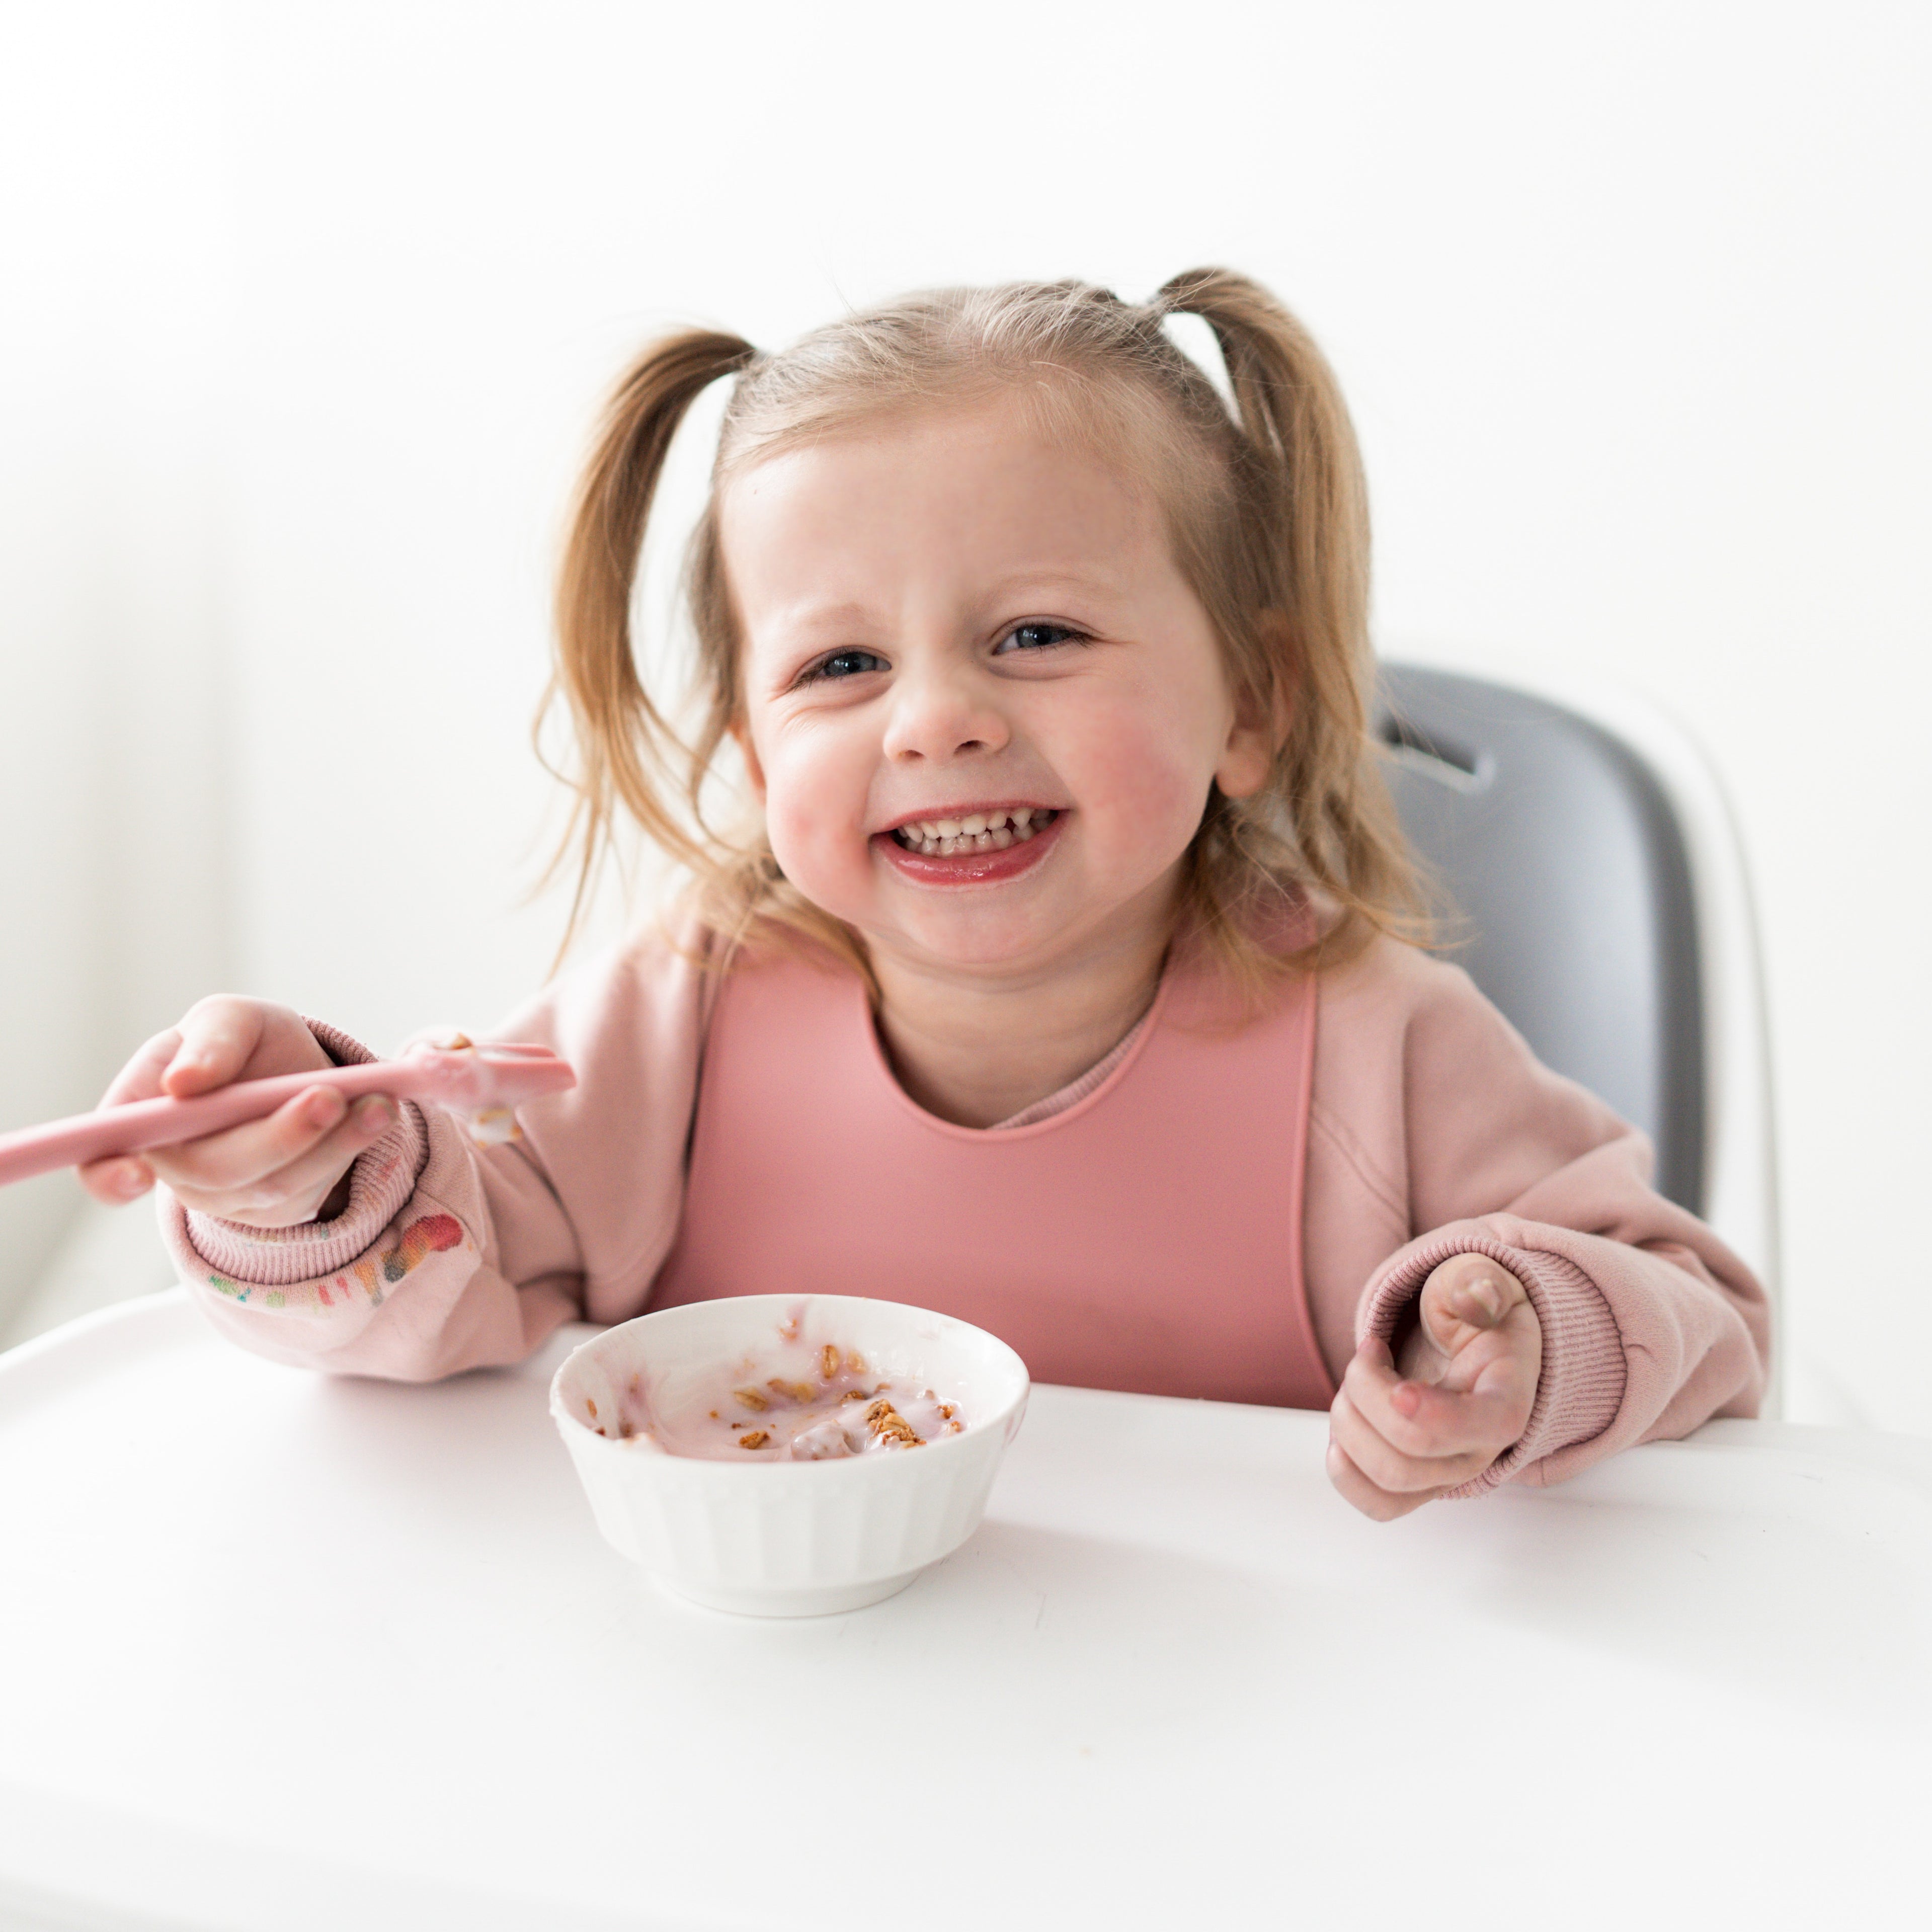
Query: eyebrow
(1089, 583)
(823, 616)
(846, 615)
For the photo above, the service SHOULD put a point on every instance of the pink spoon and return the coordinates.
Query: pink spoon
(485, 1082)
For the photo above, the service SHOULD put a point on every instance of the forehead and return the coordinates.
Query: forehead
(950, 490)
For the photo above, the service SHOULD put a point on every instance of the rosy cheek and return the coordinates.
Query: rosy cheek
(795, 835)
(808, 816)
(1151, 792)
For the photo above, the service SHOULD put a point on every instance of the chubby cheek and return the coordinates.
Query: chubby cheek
(815, 804)
(1141, 780)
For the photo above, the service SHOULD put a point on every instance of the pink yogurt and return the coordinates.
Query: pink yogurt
(805, 1402)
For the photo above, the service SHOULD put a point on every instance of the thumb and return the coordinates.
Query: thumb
(1465, 1296)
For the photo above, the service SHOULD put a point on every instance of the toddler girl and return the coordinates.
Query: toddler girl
(1058, 979)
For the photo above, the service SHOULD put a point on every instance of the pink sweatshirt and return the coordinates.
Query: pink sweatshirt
(1432, 1131)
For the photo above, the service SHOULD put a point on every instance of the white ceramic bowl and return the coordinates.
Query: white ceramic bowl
(789, 1539)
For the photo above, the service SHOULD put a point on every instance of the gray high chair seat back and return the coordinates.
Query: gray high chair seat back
(1571, 897)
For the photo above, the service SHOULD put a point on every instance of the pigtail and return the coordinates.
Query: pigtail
(1298, 430)
(1300, 538)
(621, 735)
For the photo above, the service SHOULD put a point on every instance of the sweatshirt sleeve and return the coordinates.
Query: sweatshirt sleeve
(449, 1256)
(1651, 1324)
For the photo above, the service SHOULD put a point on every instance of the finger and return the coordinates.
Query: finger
(1466, 1296)
(1423, 1419)
(116, 1182)
(217, 1038)
(1484, 1421)
(1391, 1469)
(293, 1192)
(1496, 1375)
(140, 1079)
(312, 1177)
(239, 1157)
(1366, 1496)
(120, 1178)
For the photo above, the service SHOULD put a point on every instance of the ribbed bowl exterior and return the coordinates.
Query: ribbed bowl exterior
(722, 1531)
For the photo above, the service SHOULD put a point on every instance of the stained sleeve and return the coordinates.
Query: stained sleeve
(449, 1256)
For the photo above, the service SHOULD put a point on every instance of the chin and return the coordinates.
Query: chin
(966, 942)
(1008, 942)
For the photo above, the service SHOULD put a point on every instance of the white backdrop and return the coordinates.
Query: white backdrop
(1631, 305)
(117, 252)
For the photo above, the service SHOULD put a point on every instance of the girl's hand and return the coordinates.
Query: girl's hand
(275, 1172)
(1401, 1435)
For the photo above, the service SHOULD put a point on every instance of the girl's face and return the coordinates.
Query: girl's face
(982, 707)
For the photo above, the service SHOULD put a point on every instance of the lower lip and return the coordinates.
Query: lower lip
(970, 868)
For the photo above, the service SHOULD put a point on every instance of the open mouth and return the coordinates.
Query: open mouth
(976, 831)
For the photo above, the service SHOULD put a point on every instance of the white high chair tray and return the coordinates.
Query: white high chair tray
(282, 1651)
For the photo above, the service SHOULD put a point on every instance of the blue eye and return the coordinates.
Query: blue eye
(845, 663)
(1036, 638)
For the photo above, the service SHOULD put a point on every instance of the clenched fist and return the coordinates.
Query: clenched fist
(1402, 1433)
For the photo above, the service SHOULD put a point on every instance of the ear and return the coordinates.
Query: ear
(754, 772)
(1245, 760)
(1260, 730)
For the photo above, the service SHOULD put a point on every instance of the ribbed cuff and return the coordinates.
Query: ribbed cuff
(1581, 1387)
(380, 1183)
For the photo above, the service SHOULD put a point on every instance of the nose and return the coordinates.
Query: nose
(940, 712)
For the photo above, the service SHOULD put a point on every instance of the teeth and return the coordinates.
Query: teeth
(979, 832)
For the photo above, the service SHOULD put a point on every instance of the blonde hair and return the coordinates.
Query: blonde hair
(1269, 518)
